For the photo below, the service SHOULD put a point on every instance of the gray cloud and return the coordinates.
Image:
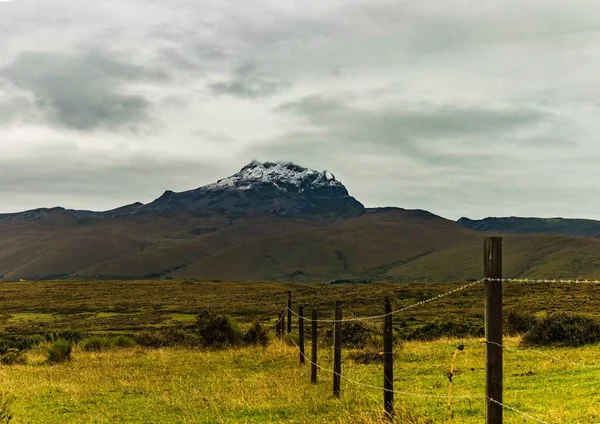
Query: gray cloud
(81, 91)
(462, 108)
(248, 82)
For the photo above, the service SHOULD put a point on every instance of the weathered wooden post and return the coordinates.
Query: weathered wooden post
(337, 349)
(388, 361)
(313, 353)
(282, 323)
(289, 312)
(493, 328)
(301, 332)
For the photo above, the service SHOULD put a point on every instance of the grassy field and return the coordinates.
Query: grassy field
(132, 306)
(269, 385)
(255, 384)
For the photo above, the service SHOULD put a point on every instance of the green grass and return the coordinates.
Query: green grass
(255, 384)
(269, 385)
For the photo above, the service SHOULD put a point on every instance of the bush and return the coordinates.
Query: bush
(437, 330)
(60, 351)
(256, 335)
(96, 344)
(217, 330)
(13, 357)
(20, 343)
(563, 329)
(519, 322)
(124, 341)
(152, 339)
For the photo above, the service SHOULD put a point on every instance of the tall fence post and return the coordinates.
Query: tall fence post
(337, 349)
(388, 361)
(289, 312)
(313, 341)
(493, 328)
(301, 332)
(282, 323)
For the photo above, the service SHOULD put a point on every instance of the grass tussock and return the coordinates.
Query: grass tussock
(60, 351)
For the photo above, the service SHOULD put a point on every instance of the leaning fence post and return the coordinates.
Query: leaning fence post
(313, 353)
(289, 312)
(301, 332)
(493, 328)
(388, 361)
(337, 349)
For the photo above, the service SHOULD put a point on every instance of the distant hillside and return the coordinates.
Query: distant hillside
(514, 225)
(278, 221)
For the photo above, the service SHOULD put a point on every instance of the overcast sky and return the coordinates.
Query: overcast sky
(463, 108)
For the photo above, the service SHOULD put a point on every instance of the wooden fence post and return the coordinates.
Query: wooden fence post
(289, 312)
(493, 328)
(388, 361)
(337, 349)
(313, 353)
(301, 332)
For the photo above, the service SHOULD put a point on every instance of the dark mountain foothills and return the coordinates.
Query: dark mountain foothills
(274, 221)
(514, 225)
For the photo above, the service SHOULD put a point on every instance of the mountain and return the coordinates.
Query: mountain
(514, 225)
(270, 221)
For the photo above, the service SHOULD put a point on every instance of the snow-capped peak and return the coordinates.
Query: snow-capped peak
(282, 175)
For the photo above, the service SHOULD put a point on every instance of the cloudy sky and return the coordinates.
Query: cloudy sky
(464, 108)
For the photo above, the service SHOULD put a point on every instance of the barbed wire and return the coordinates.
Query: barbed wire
(397, 311)
(524, 414)
(421, 395)
(370, 386)
(540, 281)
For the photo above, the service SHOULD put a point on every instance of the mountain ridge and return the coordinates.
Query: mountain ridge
(273, 221)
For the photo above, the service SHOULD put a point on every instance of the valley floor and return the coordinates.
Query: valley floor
(137, 385)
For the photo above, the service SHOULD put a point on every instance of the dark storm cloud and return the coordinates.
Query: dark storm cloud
(85, 91)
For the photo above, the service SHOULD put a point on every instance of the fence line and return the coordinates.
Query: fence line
(420, 395)
(370, 386)
(397, 311)
(493, 396)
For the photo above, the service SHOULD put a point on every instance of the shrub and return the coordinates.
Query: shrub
(96, 344)
(124, 341)
(256, 335)
(152, 339)
(519, 322)
(13, 357)
(217, 330)
(438, 329)
(60, 351)
(19, 343)
(563, 329)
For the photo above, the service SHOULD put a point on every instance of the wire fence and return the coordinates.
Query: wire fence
(416, 394)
